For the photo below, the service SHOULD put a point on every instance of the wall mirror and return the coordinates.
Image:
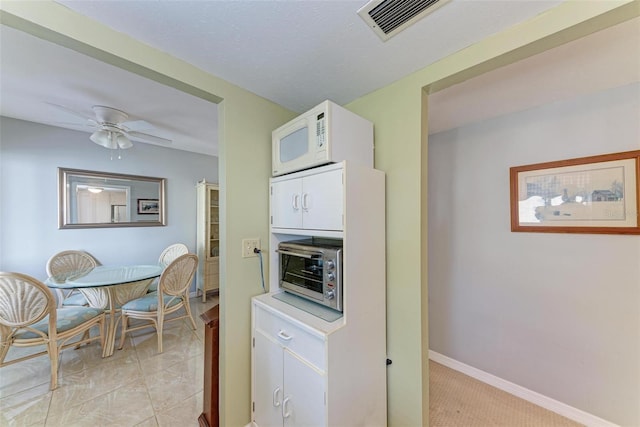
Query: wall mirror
(89, 199)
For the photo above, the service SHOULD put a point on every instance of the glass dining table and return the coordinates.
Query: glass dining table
(108, 288)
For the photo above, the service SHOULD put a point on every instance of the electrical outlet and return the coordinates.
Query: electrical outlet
(248, 245)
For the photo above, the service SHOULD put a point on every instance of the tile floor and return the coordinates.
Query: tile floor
(134, 387)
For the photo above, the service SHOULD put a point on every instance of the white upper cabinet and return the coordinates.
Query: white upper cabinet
(310, 201)
(286, 206)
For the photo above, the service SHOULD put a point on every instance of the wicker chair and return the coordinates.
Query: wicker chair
(166, 257)
(67, 264)
(28, 317)
(172, 295)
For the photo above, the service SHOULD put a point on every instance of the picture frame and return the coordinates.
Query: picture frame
(597, 194)
(148, 207)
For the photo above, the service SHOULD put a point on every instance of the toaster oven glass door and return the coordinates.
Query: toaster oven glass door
(306, 273)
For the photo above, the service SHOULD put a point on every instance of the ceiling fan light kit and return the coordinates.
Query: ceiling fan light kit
(123, 141)
(111, 139)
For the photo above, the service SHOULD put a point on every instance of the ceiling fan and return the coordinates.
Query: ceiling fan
(111, 128)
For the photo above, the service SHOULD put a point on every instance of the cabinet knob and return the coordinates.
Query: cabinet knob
(283, 335)
(285, 411)
(276, 399)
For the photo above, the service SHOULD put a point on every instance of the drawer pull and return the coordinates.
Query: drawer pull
(276, 399)
(283, 335)
(285, 410)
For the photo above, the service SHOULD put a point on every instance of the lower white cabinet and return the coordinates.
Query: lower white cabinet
(289, 391)
(289, 381)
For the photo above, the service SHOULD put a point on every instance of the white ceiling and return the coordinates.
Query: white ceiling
(600, 61)
(295, 53)
(77, 82)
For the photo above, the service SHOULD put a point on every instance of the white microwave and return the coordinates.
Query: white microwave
(328, 133)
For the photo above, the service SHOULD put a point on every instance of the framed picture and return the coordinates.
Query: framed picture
(597, 194)
(148, 206)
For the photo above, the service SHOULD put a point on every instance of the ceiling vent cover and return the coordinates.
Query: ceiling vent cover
(388, 17)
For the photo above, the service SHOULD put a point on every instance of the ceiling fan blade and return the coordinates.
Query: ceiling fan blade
(137, 125)
(150, 138)
(89, 124)
(72, 112)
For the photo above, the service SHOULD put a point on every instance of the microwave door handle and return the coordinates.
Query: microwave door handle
(298, 254)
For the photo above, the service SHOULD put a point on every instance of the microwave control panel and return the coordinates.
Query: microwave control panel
(321, 130)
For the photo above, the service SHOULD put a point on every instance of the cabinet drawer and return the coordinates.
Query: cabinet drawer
(212, 266)
(211, 274)
(307, 346)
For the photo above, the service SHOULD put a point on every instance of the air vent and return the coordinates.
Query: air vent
(388, 17)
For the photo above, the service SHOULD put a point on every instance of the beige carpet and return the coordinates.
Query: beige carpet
(456, 399)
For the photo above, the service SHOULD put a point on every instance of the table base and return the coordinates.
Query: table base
(110, 299)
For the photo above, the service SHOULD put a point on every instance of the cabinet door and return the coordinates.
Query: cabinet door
(286, 204)
(322, 203)
(304, 399)
(268, 388)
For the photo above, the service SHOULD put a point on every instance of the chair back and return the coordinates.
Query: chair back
(171, 253)
(23, 302)
(177, 277)
(68, 264)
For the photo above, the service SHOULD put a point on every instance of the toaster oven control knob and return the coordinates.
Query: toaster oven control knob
(331, 276)
(331, 265)
(330, 294)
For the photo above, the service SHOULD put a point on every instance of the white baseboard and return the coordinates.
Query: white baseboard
(553, 405)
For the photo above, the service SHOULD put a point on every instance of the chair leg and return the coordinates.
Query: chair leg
(187, 307)
(101, 330)
(85, 336)
(52, 348)
(123, 329)
(159, 328)
(4, 349)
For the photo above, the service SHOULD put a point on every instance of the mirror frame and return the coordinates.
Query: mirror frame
(63, 199)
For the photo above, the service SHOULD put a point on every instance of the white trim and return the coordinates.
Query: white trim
(553, 405)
